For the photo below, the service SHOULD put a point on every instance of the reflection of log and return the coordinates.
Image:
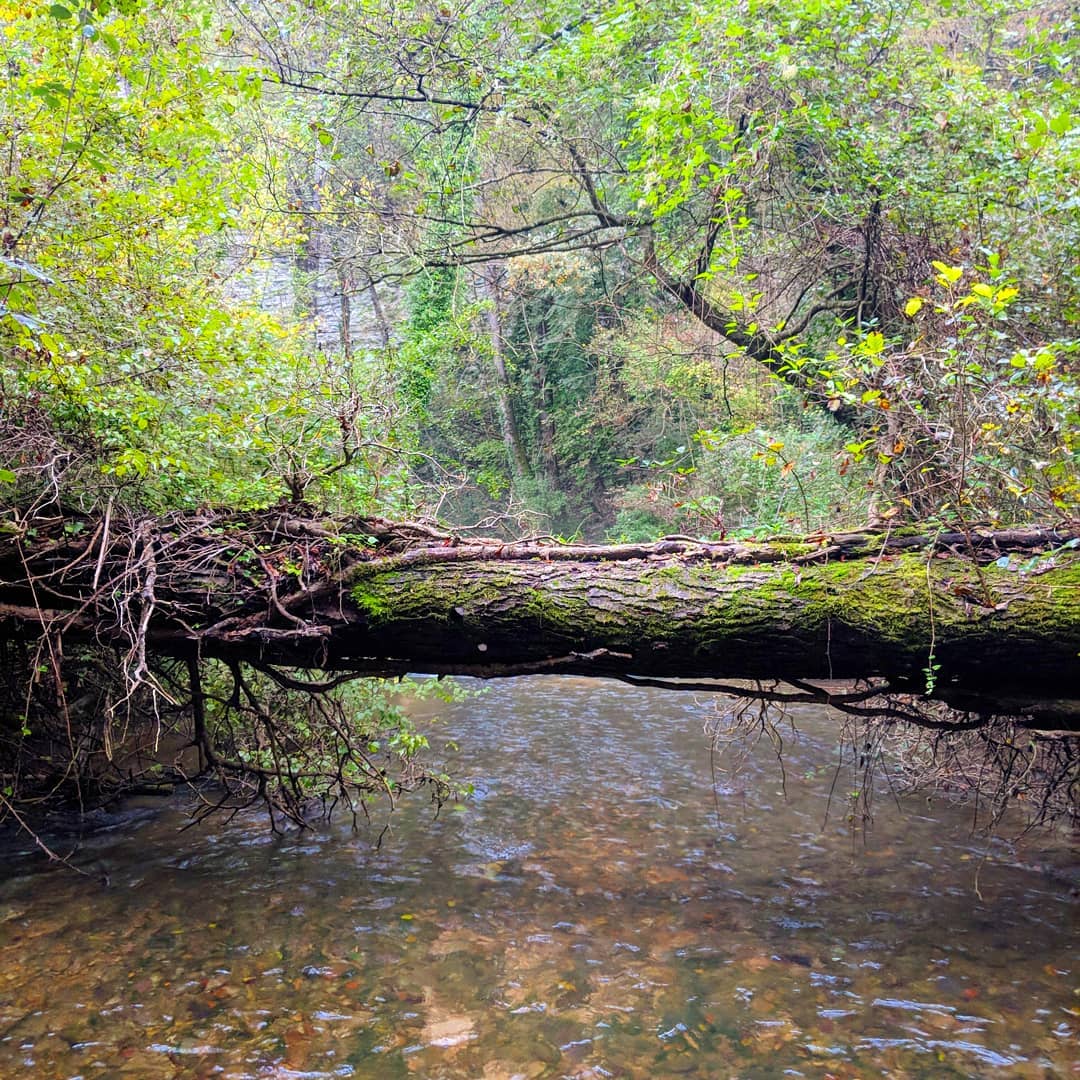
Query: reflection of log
(977, 616)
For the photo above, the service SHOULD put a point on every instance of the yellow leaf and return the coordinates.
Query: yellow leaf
(913, 307)
(950, 274)
(873, 344)
(980, 288)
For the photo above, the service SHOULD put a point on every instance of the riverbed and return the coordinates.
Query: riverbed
(614, 901)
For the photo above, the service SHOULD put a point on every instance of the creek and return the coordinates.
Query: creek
(614, 901)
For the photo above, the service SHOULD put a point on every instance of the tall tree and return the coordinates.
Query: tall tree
(792, 175)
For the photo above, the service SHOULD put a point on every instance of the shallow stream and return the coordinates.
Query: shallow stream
(608, 905)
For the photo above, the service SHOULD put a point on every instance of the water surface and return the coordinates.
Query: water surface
(606, 906)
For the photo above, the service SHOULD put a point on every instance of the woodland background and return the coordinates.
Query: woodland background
(639, 270)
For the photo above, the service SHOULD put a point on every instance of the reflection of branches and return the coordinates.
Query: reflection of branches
(877, 701)
(738, 731)
(994, 768)
(236, 735)
(995, 764)
(293, 745)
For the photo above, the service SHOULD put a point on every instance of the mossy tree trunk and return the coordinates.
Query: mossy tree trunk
(973, 618)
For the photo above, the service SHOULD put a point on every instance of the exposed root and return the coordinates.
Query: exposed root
(145, 653)
(995, 765)
(236, 735)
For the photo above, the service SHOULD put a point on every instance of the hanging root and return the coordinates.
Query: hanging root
(994, 764)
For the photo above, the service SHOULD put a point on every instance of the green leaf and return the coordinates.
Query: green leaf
(1061, 123)
(7, 476)
(58, 11)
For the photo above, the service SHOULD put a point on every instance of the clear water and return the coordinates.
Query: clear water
(604, 907)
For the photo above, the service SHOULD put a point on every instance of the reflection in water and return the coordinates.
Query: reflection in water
(598, 910)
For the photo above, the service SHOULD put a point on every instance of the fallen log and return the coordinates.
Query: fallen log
(985, 620)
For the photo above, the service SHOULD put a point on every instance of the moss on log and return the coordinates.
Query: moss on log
(909, 616)
(968, 616)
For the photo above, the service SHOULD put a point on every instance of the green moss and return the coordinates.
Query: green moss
(372, 602)
(556, 612)
(728, 571)
(676, 572)
(909, 601)
(792, 549)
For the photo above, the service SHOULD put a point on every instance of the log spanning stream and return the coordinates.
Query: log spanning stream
(992, 615)
(613, 902)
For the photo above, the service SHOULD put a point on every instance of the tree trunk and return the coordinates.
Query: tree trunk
(345, 286)
(381, 323)
(983, 620)
(517, 459)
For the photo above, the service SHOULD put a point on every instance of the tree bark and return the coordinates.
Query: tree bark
(984, 620)
(381, 323)
(345, 286)
(517, 459)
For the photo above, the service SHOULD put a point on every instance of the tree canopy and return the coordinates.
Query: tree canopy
(605, 220)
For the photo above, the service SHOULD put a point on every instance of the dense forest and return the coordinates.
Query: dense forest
(711, 272)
